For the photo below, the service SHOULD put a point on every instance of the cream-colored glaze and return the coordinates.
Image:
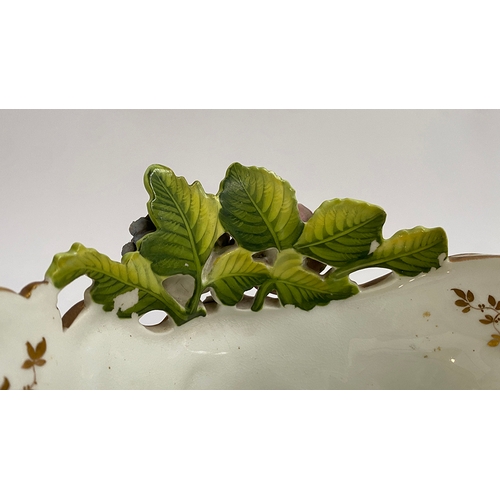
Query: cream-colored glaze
(402, 333)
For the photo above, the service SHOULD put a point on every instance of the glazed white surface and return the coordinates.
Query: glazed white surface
(403, 333)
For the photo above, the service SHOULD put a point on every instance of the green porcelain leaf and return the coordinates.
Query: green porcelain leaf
(409, 252)
(412, 251)
(233, 273)
(112, 279)
(296, 285)
(187, 224)
(259, 209)
(341, 231)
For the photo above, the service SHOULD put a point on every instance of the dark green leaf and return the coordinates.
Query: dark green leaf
(186, 220)
(259, 209)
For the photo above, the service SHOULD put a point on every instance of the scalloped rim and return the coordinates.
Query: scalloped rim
(69, 317)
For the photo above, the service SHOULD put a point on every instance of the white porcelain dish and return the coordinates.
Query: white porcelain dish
(397, 333)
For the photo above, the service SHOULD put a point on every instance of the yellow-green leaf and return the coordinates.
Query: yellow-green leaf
(409, 252)
(341, 231)
(112, 279)
(259, 209)
(300, 287)
(233, 273)
(186, 220)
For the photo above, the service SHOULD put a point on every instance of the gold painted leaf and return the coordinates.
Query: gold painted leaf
(5, 385)
(459, 292)
(39, 351)
(491, 300)
(493, 343)
(461, 303)
(470, 296)
(27, 364)
(31, 351)
(485, 321)
(466, 310)
(40, 362)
